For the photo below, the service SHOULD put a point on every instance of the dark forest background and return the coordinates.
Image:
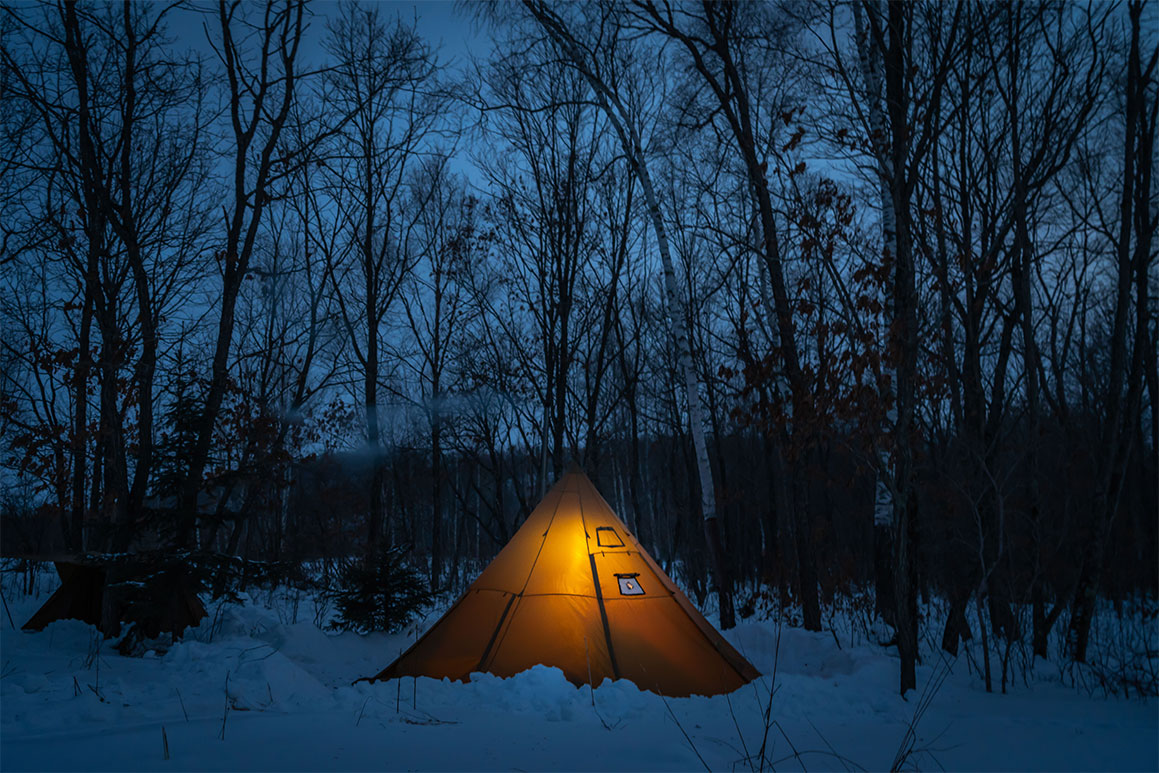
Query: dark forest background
(826, 297)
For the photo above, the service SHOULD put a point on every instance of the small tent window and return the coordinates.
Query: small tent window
(629, 585)
(606, 537)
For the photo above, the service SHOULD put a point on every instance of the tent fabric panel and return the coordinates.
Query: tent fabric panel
(562, 631)
(609, 564)
(509, 570)
(597, 513)
(658, 648)
(654, 582)
(453, 647)
(563, 565)
(719, 643)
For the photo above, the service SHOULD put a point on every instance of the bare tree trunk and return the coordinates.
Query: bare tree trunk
(729, 87)
(74, 527)
(125, 223)
(1122, 411)
(115, 486)
(1022, 281)
(641, 513)
(436, 490)
(905, 341)
(957, 627)
(280, 33)
(695, 413)
(373, 441)
(621, 120)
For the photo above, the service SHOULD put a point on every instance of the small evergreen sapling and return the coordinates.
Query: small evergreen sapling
(383, 592)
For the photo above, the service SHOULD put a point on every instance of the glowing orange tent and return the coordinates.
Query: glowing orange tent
(574, 589)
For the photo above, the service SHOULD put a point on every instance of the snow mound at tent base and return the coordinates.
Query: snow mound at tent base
(253, 689)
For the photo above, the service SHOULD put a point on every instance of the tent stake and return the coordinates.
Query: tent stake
(6, 609)
(591, 690)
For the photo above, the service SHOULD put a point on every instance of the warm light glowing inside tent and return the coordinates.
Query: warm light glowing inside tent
(573, 589)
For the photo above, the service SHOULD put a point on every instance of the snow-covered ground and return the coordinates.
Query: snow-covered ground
(252, 689)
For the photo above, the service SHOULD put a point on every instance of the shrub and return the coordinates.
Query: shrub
(383, 592)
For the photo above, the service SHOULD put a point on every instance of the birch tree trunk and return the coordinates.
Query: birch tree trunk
(628, 134)
(727, 80)
(869, 59)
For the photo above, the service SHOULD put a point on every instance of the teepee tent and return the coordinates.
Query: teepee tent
(574, 589)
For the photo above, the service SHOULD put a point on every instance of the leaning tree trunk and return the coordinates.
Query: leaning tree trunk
(633, 147)
(272, 97)
(695, 414)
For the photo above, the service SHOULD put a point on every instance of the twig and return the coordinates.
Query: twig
(789, 741)
(908, 743)
(182, 702)
(800, 755)
(685, 733)
(748, 757)
(225, 713)
(772, 685)
(826, 742)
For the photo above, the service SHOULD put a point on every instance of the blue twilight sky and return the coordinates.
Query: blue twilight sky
(448, 26)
